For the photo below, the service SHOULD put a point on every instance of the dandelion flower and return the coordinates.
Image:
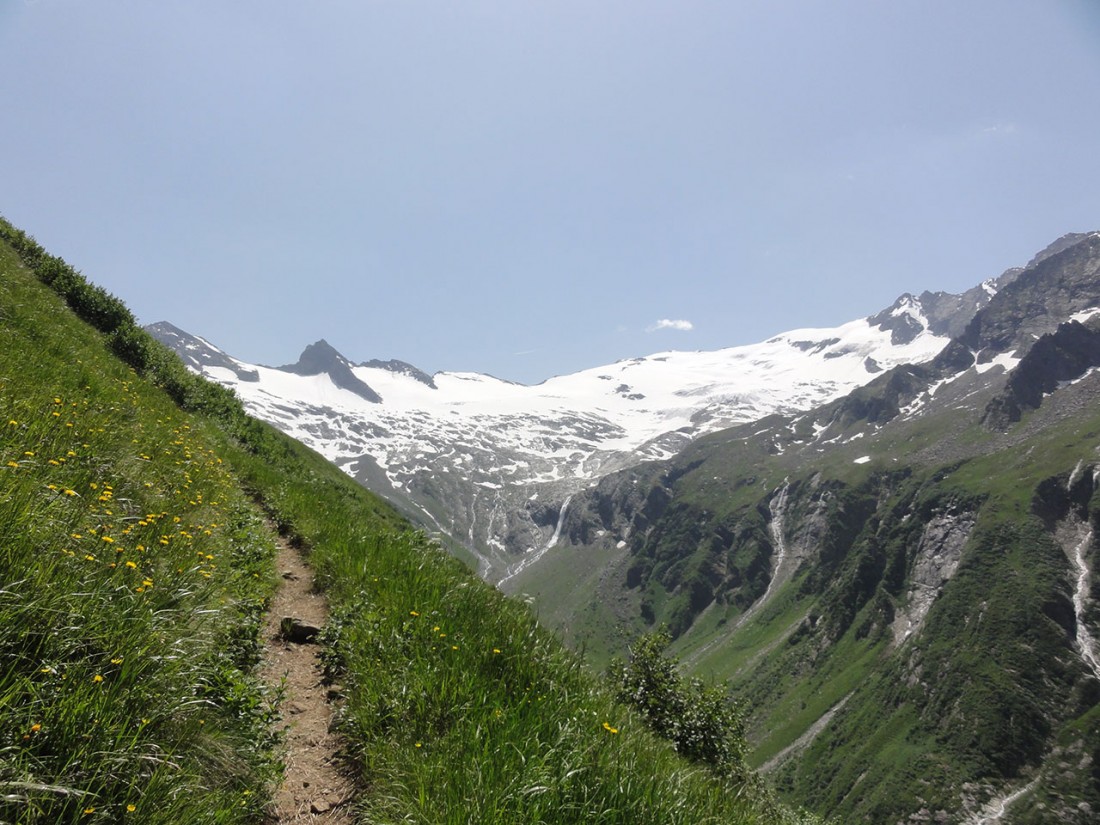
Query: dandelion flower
(97, 678)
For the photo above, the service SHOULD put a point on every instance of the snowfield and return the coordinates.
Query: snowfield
(475, 451)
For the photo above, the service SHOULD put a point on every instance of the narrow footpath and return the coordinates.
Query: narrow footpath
(314, 789)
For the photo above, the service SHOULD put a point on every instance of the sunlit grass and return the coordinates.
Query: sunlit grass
(131, 573)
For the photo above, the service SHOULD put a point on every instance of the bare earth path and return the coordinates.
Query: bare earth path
(314, 789)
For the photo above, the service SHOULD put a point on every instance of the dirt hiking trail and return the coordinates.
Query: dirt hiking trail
(314, 789)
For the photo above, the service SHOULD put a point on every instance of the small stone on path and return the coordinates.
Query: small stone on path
(296, 631)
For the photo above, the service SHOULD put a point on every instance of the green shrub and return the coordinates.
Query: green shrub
(702, 722)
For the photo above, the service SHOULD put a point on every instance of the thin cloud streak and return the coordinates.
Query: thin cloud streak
(667, 323)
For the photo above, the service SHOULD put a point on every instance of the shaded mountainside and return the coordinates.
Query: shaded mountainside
(899, 583)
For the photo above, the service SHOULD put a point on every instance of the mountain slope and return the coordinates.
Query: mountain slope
(900, 582)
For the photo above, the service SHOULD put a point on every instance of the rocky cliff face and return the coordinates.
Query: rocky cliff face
(1065, 355)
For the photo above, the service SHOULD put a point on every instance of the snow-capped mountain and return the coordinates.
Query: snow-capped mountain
(493, 463)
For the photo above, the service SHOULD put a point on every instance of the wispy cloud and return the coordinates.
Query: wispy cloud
(666, 323)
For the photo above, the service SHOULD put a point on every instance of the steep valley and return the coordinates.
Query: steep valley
(884, 546)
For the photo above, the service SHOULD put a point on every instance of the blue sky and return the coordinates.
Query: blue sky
(532, 188)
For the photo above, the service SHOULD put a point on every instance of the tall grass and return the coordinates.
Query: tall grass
(132, 572)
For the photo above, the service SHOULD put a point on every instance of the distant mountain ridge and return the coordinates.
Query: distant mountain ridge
(490, 462)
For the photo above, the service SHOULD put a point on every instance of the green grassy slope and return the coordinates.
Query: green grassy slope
(134, 566)
(132, 572)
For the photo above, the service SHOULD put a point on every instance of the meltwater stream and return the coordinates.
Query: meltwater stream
(534, 556)
(1085, 642)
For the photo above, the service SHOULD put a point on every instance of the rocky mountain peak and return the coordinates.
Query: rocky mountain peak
(322, 358)
(1063, 243)
(904, 319)
(317, 358)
